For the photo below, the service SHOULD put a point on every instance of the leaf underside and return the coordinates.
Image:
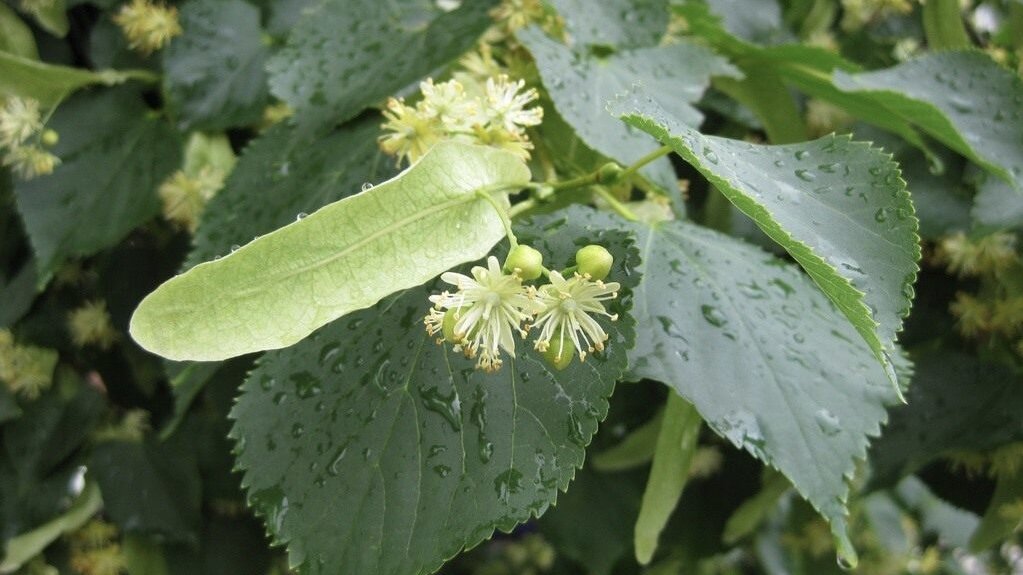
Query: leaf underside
(346, 256)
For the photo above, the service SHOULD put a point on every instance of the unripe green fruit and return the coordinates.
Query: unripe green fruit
(559, 353)
(527, 260)
(448, 327)
(595, 261)
(50, 138)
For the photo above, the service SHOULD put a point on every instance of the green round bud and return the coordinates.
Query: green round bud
(595, 261)
(50, 138)
(527, 260)
(559, 352)
(609, 173)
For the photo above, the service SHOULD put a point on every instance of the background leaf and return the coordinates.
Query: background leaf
(581, 85)
(346, 55)
(962, 99)
(347, 256)
(368, 448)
(617, 23)
(768, 362)
(977, 404)
(113, 155)
(282, 174)
(214, 73)
(840, 208)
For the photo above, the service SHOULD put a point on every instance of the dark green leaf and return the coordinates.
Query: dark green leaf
(962, 99)
(765, 358)
(282, 174)
(370, 449)
(581, 85)
(8, 405)
(592, 523)
(346, 55)
(149, 488)
(214, 73)
(839, 207)
(113, 154)
(614, 23)
(977, 404)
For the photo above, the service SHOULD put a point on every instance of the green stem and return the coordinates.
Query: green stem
(505, 216)
(662, 151)
(619, 208)
(943, 25)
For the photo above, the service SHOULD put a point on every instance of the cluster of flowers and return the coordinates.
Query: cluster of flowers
(24, 140)
(185, 193)
(486, 311)
(26, 370)
(148, 26)
(493, 113)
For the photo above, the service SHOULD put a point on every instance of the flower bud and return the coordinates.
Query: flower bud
(595, 261)
(609, 173)
(528, 261)
(50, 138)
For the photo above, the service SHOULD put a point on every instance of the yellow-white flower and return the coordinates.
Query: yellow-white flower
(19, 119)
(505, 106)
(407, 132)
(567, 310)
(147, 26)
(30, 161)
(449, 104)
(488, 308)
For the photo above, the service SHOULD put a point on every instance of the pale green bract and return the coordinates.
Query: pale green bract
(348, 255)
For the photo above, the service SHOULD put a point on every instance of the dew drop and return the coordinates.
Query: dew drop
(806, 175)
(828, 422)
(713, 316)
(301, 216)
(367, 187)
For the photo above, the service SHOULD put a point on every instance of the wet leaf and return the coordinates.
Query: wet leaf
(214, 73)
(346, 55)
(346, 256)
(962, 99)
(581, 85)
(367, 448)
(616, 23)
(839, 207)
(764, 357)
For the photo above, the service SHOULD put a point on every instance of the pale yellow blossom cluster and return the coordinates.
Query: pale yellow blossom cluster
(95, 550)
(90, 325)
(24, 139)
(148, 26)
(495, 114)
(26, 370)
(185, 193)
